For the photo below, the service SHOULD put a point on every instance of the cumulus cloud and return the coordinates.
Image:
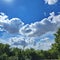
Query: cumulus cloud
(15, 25)
(29, 34)
(10, 25)
(17, 41)
(43, 43)
(51, 2)
(50, 24)
(21, 42)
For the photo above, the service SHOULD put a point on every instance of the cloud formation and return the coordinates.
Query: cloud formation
(51, 2)
(15, 25)
(43, 43)
(29, 34)
(10, 25)
(17, 41)
(50, 24)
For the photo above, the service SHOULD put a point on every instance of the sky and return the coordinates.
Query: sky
(29, 23)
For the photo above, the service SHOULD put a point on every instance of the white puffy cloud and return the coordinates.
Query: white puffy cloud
(15, 25)
(51, 2)
(17, 41)
(21, 42)
(29, 34)
(50, 24)
(10, 25)
(43, 43)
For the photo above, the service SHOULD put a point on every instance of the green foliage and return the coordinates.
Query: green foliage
(56, 46)
(7, 53)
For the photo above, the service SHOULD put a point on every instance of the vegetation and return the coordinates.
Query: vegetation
(7, 53)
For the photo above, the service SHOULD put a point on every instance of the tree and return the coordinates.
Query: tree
(55, 50)
(4, 57)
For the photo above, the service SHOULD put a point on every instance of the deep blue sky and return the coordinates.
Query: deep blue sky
(28, 10)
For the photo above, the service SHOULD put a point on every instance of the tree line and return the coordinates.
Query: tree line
(7, 53)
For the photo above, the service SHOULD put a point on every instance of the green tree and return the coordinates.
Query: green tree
(55, 50)
(4, 57)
